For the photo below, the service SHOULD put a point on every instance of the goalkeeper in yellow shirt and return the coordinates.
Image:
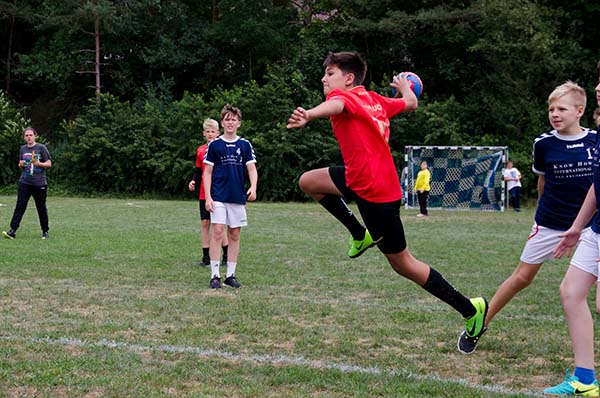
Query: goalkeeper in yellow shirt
(422, 188)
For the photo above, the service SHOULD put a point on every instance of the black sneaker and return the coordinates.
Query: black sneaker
(232, 281)
(45, 236)
(215, 282)
(10, 234)
(466, 344)
(205, 261)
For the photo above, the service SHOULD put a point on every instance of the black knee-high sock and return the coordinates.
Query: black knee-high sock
(442, 289)
(225, 252)
(338, 208)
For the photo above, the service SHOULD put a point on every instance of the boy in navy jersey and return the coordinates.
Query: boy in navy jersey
(225, 193)
(575, 287)
(562, 159)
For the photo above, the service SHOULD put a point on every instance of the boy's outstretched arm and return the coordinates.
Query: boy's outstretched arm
(301, 116)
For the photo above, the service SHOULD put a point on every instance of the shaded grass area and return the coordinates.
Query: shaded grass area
(125, 271)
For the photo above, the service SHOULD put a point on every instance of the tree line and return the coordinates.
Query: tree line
(118, 89)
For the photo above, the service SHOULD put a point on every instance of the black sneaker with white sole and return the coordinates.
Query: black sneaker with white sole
(215, 282)
(232, 281)
(466, 344)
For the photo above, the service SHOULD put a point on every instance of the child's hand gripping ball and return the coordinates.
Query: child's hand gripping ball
(416, 85)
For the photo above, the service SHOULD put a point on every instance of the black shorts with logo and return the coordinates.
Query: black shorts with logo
(381, 219)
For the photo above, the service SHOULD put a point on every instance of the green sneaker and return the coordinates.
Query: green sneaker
(475, 324)
(358, 247)
(572, 386)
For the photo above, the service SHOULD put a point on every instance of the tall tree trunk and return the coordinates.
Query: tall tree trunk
(97, 71)
(9, 54)
(215, 12)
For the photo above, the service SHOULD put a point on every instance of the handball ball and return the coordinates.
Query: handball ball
(416, 85)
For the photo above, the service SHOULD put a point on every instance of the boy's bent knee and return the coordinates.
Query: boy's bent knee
(306, 183)
(522, 280)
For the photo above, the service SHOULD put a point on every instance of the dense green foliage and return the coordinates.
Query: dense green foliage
(12, 123)
(487, 66)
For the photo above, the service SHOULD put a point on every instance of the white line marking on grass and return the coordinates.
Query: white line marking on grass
(133, 204)
(266, 359)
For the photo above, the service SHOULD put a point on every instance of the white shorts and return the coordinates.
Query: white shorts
(588, 252)
(540, 244)
(231, 214)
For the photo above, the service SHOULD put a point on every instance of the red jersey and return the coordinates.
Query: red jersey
(200, 152)
(362, 131)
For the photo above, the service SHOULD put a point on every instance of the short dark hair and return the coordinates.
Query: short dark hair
(598, 70)
(348, 62)
(28, 128)
(230, 109)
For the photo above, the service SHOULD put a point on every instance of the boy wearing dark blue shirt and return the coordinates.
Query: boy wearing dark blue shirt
(581, 275)
(226, 160)
(562, 159)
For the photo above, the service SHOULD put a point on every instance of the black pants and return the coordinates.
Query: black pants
(515, 195)
(422, 197)
(39, 196)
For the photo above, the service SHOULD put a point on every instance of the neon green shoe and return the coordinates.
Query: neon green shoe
(475, 324)
(572, 386)
(358, 247)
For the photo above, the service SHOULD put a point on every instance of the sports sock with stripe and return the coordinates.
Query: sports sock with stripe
(340, 210)
(442, 289)
(214, 268)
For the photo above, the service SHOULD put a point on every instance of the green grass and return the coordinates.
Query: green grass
(115, 306)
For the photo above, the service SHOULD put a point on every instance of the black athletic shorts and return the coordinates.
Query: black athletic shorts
(381, 219)
(204, 214)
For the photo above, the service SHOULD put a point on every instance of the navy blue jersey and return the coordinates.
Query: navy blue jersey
(566, 162)
(229, 160)
(596, 219)
(34, 175)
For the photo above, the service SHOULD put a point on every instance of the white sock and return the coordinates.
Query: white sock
(230, 268)
(214, 269)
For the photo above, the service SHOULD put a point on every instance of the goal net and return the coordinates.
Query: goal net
(463, 178)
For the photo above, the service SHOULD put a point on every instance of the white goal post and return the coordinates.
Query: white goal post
(462, 177)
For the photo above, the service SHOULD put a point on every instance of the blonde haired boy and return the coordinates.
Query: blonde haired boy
(562, 159)
(581, 275)
(210, 131)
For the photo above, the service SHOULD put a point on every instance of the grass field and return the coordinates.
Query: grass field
(114, 305)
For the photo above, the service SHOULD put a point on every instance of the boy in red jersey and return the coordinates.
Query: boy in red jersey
(210, 131)
(361, 125)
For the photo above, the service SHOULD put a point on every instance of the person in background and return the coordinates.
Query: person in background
(34, 160)
(422, 187)
(512, 176)
(210, 131)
